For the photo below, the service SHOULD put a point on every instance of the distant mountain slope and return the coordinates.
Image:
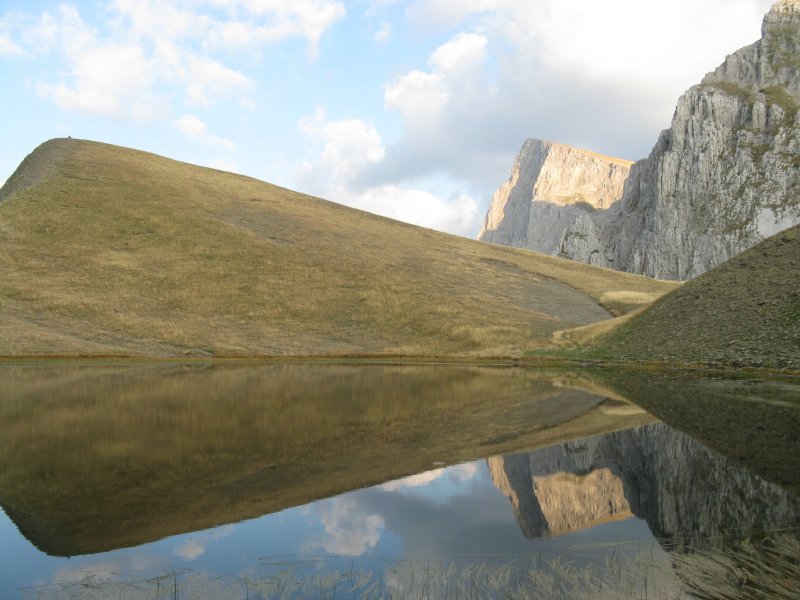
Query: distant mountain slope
(744, 312)
(106, 250)
(723, 177)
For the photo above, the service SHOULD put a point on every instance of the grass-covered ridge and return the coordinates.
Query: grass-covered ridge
(107, 250)
(745, 312)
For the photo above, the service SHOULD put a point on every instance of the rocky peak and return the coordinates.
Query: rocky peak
(548, 176)
(723, 177)
(781, 11)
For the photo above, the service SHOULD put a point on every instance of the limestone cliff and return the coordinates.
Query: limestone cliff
(550, 186)
(686, 493)
(724, 176)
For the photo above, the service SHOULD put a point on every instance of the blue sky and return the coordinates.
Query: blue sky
(413, 109)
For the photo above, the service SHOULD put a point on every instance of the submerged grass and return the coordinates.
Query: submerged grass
(751, 569)
(621, 578)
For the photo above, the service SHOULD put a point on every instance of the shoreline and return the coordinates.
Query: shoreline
(553, 361)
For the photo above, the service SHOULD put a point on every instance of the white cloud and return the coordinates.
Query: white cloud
(349, 529)
(605, 76)
(107, 80)
(384, 33)
(8, 47)
(459, 214)
(629, 40)
(190, 550)
(195, 128)
(65, 32)
(413, 480)
(222, 164)
(195, 547)
(349, 147)
(457, 474)
(277, 21)
(143, 51)
(419, 97)
(461, 54)
(208, 81)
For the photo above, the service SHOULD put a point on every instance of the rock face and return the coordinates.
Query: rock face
(685, 492)
(550, 186)
(723, 177)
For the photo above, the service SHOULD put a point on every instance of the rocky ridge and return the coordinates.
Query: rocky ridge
(550, 186)
(686, 493)
(723, 177)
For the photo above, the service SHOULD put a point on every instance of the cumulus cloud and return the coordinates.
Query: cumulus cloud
(413, 480)
(350, 530)
(457, 214)
(190, 550)
(108, 80)
(461, 54)
(195, 547)
(605, 76)
(419, 97)
(147, 50)
(348, 148)
(347, 145)
(456, 474)
(195, 128)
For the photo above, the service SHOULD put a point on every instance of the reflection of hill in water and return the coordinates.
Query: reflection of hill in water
(687, 494)
(97, 458)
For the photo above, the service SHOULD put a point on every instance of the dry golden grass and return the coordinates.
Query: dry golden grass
(106, 250)
(743, 313)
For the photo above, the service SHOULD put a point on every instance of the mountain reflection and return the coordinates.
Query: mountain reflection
(98, 458)
(688, 495)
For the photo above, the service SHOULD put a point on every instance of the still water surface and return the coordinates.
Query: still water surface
(307, 481)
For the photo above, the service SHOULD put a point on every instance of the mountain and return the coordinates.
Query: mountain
(723, 177)
(111, 251)
(550, 186)
(687, 494)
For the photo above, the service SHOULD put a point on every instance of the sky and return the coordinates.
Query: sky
(411, 109)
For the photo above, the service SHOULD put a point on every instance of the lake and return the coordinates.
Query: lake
(288, 480)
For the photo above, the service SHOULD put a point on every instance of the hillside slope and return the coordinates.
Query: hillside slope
(745, 312)
(107, 250)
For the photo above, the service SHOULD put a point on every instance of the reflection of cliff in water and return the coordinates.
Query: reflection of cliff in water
(687, 494)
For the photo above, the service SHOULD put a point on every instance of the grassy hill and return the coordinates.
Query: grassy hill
(107, 250)
(745, 312)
